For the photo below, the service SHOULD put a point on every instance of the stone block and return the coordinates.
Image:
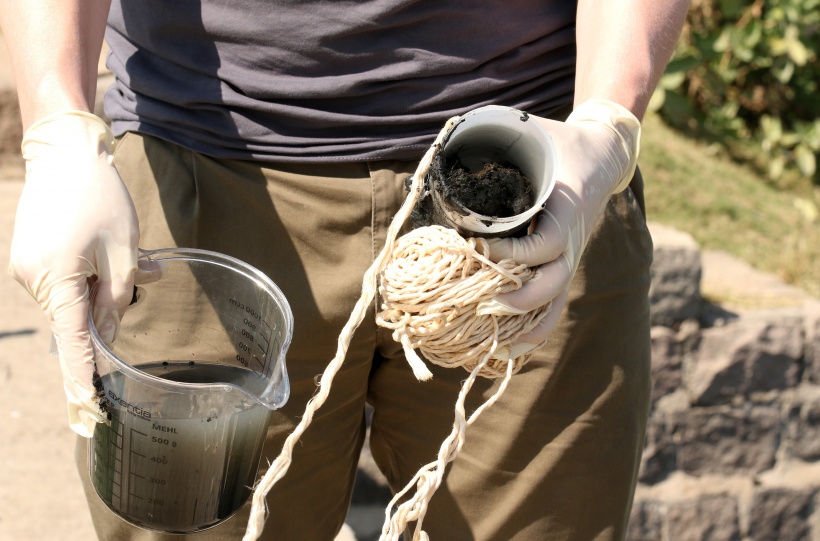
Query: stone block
(645, 522)
(781, 514)
(666, 362)
(751, 354)
(659, 457)
(674, 293)
(725, 440)
(812, 352)
(708, 518)
(803, 428)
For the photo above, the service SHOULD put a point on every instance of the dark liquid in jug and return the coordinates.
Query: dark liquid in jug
(174, 473)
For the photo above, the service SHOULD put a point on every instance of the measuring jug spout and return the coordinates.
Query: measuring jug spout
(189, 384)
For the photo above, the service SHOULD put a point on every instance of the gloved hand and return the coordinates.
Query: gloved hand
(75, 224)
(597, 150)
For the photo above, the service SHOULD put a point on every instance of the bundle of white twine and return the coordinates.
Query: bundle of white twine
(432, 290)
(432, 280)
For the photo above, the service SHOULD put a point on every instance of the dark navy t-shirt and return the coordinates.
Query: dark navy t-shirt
(308, 80)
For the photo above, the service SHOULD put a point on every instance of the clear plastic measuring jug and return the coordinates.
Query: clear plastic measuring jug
(189, 384)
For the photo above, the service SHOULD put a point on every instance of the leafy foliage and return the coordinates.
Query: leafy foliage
(746, 74)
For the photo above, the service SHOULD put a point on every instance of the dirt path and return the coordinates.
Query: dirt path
(40, 493)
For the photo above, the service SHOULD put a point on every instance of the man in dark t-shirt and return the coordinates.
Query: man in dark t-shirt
(281, 133)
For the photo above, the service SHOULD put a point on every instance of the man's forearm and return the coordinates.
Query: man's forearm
(623, 48)
(55, 47)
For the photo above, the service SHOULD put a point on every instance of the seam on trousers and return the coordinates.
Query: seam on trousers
(374, 244)
(195, 180)
(373, 248)
(381, 333)
(194, 175)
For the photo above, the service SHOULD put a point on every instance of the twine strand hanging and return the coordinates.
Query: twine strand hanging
(430, 476)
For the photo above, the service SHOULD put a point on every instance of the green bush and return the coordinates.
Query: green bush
(746, 74)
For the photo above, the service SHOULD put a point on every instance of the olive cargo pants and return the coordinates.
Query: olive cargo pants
(556, 458)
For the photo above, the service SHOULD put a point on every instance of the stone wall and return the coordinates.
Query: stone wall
(733, 442)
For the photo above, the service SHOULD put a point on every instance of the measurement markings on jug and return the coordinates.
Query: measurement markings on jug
(163, 441)
(163, 428)
(261, 365)
(108, 460)
(264, 338)
(248, 310)
(263, 343)
(136, 440)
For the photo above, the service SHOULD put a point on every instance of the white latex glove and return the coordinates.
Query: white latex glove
(597, 150)
(75, 222)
